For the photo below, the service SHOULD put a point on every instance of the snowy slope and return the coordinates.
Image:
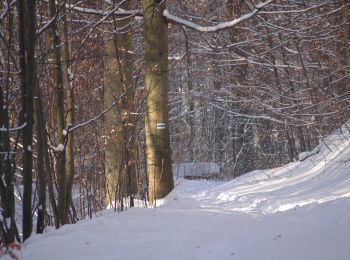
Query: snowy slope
(299, 211)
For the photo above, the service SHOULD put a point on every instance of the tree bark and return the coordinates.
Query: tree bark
(118, 73)
(346, 21)
(59, 92)
(27, 32)
(68, 81)
(41, 145)
(7, 199)
(159, 164)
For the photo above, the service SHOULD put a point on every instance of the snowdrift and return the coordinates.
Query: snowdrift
(322, 177)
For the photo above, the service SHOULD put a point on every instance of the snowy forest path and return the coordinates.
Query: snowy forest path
(298, 211)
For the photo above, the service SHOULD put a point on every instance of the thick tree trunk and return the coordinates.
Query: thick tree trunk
(118, 73)
(159, 164)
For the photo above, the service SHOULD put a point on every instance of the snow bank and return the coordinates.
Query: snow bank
(304, 155)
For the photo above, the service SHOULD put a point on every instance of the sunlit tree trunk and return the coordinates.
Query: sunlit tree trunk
(68, 82)
(159, 164)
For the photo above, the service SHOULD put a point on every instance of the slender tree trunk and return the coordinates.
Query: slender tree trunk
(218, 127)
(299, 129)
(189, 102)
(41, 171)
(346, 21)
(312, 96)
(50, 184)
(7, 199)
(68, 81)
(26, 14)
(59, 91)
(44, 166)
(159, 164)
(290, 140)
(235, 8)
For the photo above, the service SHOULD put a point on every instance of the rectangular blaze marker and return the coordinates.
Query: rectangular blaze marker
(161, 125)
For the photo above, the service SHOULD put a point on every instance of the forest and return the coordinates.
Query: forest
(101, 100)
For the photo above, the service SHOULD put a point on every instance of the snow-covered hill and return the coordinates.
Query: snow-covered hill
(299, 211)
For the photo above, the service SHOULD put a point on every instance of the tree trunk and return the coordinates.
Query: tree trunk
(159, 164)
(346, 21)
(26, 14)
(118, 73)
(299, 129)
(68, 81)
(41, 145)
(7, 199)
(290, 141)
(59, 91)
(189, 102)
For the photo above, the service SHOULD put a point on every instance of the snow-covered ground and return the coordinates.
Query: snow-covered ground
(299, 211)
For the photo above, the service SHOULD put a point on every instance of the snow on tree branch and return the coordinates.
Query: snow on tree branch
(2, 129)
(219, 26)
(7, 9)
(119, 12)
(116, 11)
(46, 25)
